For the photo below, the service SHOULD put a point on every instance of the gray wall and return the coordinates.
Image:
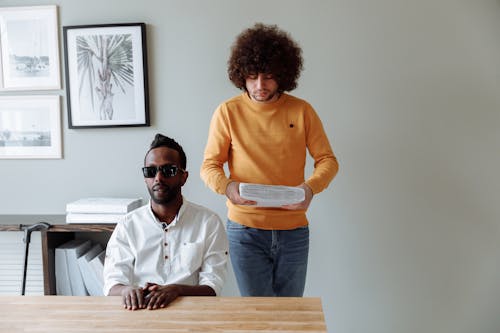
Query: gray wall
(407, 237)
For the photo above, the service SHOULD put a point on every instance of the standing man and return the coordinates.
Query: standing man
(170, 247)
(263, 135)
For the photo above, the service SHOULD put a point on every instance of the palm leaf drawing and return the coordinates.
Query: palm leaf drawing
(104, 62)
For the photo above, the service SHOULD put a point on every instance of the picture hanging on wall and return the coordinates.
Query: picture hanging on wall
(30, 127)
(29, 48)
(106, 75)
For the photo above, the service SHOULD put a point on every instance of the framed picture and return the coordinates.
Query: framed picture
(106, 75)
(30, 127)
(29, 48)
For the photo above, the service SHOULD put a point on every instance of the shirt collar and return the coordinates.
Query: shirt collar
(176, 218)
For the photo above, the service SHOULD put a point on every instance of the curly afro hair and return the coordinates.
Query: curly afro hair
(265, 49)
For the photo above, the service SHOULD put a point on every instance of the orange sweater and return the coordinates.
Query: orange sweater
(266, 144)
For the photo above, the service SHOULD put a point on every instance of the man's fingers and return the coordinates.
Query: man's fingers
(139, 297)
(126, 301)
(133, 301)
(159, 300)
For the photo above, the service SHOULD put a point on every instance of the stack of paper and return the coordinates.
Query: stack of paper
(91, 266)
(97, 265)
(79, 268)
(69, 280)
(272, 195)
(100, 210)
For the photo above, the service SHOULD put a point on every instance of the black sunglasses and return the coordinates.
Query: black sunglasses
(168, 170)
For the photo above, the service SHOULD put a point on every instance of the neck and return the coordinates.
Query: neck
(167, 212)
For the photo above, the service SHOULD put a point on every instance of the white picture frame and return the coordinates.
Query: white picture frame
(30, 127)
(29, 43)
(117, 98)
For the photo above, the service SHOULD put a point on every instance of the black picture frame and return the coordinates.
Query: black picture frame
(106, 75)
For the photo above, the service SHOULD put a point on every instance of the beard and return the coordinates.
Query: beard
(162, 194)
(264, 96)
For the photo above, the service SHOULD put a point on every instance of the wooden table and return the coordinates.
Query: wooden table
(186, 314)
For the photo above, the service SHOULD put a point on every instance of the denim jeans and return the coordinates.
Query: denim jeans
(268, 262)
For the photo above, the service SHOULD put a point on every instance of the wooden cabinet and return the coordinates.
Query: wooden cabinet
(59, 234)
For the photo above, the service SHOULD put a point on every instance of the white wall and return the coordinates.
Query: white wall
(407, 237)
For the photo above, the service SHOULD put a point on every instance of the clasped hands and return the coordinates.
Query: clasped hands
(152, 296)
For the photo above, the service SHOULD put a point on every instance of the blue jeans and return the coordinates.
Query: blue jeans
(268, 262)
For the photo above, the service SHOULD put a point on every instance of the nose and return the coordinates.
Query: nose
(158, 176)
(260, 80)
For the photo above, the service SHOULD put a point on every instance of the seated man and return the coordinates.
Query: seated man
(170, 247)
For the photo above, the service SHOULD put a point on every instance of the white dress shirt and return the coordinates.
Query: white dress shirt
(191, 250)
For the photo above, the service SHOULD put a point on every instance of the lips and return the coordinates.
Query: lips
(161, 188)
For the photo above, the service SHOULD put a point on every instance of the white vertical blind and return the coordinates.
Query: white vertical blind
(12, 250)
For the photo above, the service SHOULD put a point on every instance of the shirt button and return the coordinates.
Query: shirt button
(166, 257)
(165, 244)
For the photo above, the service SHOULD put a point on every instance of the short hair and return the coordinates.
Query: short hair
(161, 140)
(265, 49)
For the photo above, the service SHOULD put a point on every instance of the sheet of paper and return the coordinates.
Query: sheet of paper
(271, 195)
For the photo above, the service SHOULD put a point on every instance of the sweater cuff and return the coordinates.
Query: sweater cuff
(221, 189)
(314, 186)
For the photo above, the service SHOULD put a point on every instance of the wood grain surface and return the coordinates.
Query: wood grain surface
(187, 314)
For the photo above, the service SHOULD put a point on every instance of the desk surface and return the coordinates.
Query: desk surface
(186, 314)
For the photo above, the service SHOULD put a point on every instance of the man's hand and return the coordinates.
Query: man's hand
(304, 204)
(133, 297)
(160, 296)
(154, 296)
(233, 194)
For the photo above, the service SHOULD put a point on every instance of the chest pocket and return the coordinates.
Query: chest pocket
(191, 256)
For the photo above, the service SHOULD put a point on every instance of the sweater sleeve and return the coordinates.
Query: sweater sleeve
(325, 162)
(216, 153)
